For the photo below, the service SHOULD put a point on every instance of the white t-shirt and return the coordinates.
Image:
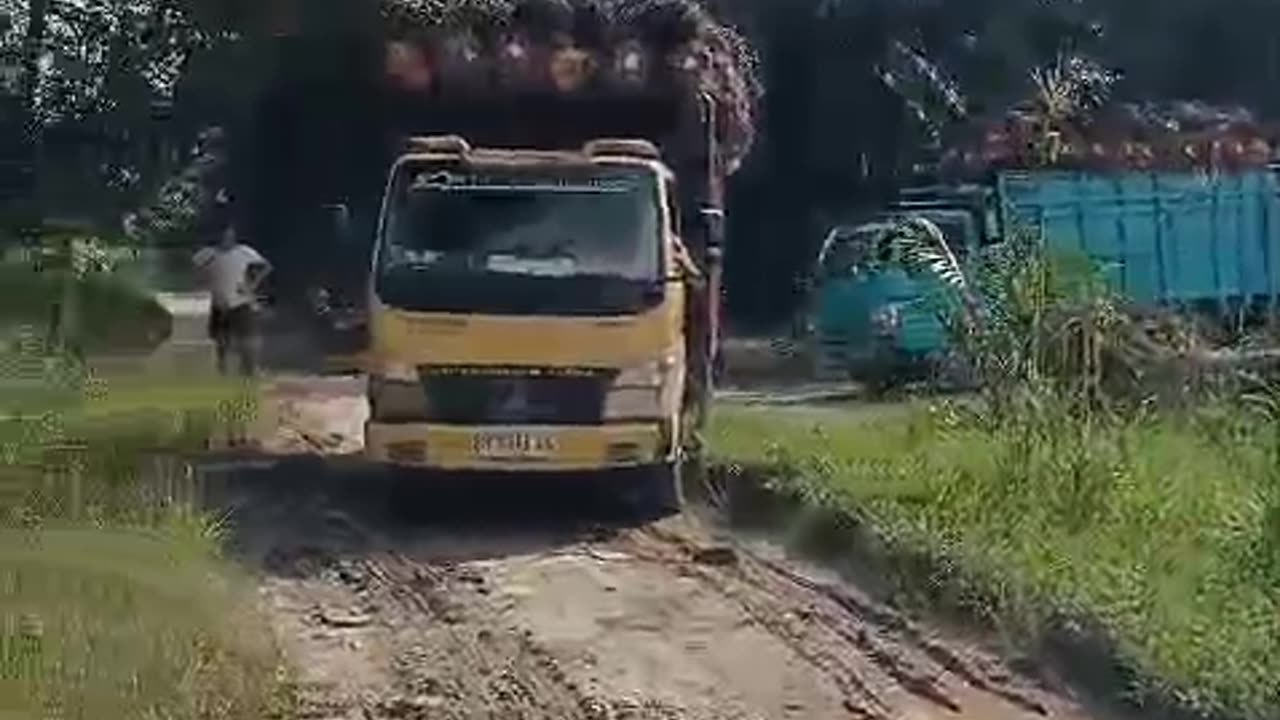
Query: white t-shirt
(227, 273)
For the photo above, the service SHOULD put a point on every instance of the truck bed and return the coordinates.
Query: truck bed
(1167, 238)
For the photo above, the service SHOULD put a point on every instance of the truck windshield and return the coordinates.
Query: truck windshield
(852, 248)
(589, 223)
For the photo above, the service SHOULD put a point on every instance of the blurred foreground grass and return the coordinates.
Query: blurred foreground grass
(115, 601)
(1160, 533)
(110, 315)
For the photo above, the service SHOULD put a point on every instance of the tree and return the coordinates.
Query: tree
(95, 74)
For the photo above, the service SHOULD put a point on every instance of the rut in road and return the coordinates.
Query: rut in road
(621, 627)
(520, 611)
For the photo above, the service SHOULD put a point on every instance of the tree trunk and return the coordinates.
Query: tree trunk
(33, 48)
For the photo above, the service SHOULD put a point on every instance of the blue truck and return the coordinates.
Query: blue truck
(1175, 239)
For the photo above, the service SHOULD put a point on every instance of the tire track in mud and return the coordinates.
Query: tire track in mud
(861, 700)
(423, 653)
(484, 669)
(441, 653)
(823, 623)
(449, 651)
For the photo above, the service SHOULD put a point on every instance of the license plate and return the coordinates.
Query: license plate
(520, 445)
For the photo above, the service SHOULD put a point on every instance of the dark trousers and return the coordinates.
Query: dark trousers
(235, 330)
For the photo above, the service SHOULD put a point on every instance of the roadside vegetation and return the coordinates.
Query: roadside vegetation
(1102, 487)
(115, 598)
(69, 289)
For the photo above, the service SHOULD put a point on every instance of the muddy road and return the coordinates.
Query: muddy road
(395, 597)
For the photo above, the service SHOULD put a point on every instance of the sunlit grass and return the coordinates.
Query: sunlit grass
(114, 599)
(125, 623)
(1164, 532)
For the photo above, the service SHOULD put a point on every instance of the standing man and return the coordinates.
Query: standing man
(233, 272)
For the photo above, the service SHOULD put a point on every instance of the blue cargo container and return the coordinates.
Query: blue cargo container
(1170, 238)
(1175, 239)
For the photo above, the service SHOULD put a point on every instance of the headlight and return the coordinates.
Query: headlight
(645, 375)
(633, 404)
(637, 391)
(887, 319)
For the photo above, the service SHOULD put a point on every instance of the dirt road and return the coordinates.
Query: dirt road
(398, 600)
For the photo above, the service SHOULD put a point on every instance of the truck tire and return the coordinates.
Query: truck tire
(657, 492)
(876, 384)
(954, 372)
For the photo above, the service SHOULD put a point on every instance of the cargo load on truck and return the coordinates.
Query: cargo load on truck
(623, 55)
(1188, 136)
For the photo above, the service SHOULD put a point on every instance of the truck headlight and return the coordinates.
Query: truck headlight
(887, 320)
(644, 375)
(633, 404)
(637, 391)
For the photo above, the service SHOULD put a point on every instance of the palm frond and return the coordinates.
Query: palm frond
(923, 247)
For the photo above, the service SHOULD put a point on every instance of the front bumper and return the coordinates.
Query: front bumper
(562, 448)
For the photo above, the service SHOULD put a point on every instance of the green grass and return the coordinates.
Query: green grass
(111, 315)
(1163, 532)
(123, 623)
(115, 600)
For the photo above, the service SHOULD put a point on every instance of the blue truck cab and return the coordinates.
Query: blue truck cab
(1184, 240)
(872, 319)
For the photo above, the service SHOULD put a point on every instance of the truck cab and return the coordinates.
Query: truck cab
(874, 319)
(528, 313)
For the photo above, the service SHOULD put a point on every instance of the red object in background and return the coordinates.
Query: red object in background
(1117, 142)
(631, 64)
(407, 66)
(1100, 156)
(521, 64)
(1071, 152)
(996, 148)
(1139, 155)
(1192, 154)
(1258, 152)
(571, 67)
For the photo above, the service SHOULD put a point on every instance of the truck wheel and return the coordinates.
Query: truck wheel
(657, 493)
(877, 384)
(953, 371)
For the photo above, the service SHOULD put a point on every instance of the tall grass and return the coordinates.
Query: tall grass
(72, 286)
(1065, 495)
(1159, 534)
(115, 601)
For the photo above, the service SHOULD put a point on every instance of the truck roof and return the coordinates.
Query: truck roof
(525, 157)
(550, 121)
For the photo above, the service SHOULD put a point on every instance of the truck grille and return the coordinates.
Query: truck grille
(515, 396)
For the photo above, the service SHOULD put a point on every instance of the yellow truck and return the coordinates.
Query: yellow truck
(520, 229)
(533, 311)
